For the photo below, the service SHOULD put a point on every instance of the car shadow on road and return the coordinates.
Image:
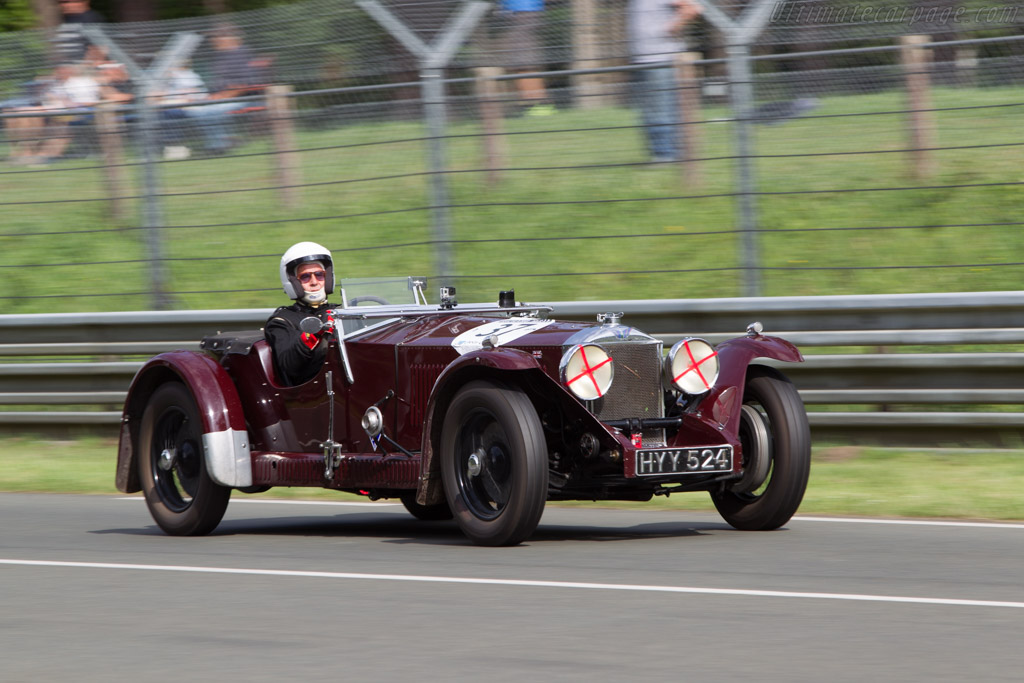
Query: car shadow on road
(561, 533)
(389, 528)
(347, 525)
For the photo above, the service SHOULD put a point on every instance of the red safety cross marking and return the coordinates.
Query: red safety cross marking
(695, 365)
(589, 371)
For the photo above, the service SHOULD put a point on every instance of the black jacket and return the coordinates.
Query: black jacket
(294, 362)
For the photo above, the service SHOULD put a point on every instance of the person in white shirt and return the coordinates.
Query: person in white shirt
(42, 135)
(183, 87)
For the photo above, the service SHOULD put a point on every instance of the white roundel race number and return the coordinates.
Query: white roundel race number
(500, 332)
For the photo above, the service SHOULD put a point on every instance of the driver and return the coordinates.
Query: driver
(307, 275)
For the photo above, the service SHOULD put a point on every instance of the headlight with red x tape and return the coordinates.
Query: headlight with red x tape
(691, 366)
(587, 371)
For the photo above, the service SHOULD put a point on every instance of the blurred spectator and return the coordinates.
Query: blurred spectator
(70, 44)
(523, 48)
(183, 87)
(235, 71)
(38, 137)
(69, 100)
(654, 28)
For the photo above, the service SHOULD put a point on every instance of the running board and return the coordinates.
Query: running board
(354, 470)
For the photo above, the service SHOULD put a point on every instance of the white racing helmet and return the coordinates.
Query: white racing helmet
(305, 252)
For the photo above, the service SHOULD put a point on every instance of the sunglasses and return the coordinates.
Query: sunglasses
(307, 277)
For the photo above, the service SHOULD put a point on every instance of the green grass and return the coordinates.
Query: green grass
(361, 196)
(871, 482)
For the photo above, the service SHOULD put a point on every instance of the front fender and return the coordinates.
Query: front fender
(225, 437)
(473, 365)
(734, 356)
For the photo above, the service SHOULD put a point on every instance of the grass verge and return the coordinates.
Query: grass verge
(577, 213)
(873, 482)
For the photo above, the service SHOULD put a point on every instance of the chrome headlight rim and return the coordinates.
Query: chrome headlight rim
(698, 368)
(598, 369)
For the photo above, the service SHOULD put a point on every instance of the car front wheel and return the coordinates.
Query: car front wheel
(776, 443)
(181, 496)
(494, 464)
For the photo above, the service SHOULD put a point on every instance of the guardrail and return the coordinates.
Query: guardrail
(70, 371)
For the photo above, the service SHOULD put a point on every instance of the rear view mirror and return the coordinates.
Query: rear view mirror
(311, 325)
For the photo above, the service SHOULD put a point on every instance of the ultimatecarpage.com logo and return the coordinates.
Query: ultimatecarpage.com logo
(817, 13)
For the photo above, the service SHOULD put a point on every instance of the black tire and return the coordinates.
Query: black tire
(427, 513)
(494, 464)
(776, 443)
(181, 496)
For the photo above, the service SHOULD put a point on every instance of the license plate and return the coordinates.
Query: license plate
(699, 460)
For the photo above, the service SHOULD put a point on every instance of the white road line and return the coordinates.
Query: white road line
(910, 522)
(952, 602)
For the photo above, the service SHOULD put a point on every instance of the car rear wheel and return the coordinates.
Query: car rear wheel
(427, 513)
(181, 496)
(776, 443)
(494, 464)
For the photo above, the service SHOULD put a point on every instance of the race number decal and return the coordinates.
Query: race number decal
(500, 332)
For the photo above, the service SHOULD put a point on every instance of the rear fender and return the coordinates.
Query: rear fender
(483, 364)
(225, 437)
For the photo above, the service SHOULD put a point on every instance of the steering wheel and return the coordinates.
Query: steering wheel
(369, 298)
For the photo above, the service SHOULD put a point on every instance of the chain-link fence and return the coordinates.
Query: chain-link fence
(805, 148)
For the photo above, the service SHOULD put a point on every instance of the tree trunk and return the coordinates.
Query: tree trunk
(137, 10)
(47, 13)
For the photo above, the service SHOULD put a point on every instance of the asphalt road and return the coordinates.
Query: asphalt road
(91, 590)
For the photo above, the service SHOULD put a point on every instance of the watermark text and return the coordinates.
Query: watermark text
(820, 13)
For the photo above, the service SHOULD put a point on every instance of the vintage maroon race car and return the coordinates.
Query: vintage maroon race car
(481, 412)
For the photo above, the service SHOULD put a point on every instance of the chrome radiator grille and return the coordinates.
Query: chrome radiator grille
(636, 390)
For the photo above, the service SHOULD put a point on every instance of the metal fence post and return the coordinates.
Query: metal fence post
(432, 83)
(147, 82)
(740, 34)
(741, 97)
(433, 58)
(153, 211)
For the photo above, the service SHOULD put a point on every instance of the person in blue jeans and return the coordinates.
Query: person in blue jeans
(654, 28)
